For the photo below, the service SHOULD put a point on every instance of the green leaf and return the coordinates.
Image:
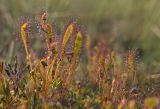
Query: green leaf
(67, 35)
(151, 102)
(77, 46)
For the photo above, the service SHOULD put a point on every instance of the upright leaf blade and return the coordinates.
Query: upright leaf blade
(67, 35)
(77, 46)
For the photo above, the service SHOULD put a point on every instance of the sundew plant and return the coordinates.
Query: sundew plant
(73, 73)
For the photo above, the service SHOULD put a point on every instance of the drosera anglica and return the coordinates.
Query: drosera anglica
(24, 30)
(100, 82)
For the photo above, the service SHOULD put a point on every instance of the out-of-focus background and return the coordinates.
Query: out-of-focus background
(124, 24)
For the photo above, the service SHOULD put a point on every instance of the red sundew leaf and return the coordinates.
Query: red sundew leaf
(25, 25)
(77, 46)
(47, 30)
(67, 35)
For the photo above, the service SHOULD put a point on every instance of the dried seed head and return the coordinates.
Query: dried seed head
(131, 61)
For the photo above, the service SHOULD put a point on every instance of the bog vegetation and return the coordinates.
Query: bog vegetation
(72, 73)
